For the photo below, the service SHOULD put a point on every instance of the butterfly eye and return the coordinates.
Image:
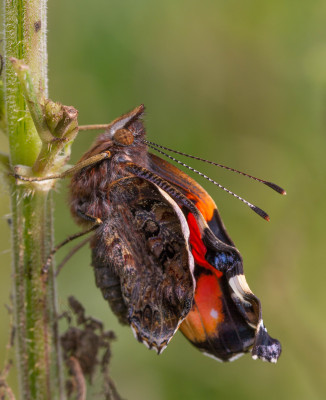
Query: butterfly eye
(123, 137)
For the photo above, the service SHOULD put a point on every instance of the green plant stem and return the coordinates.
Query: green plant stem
(30, 293)
(39, 363)
(24, 41)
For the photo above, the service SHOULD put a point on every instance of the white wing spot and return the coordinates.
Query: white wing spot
(235, 357)
(215, 358)
(214, 313)
(134, 332)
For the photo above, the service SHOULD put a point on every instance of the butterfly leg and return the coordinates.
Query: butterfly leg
(83, 164)
(70, 254)
(87, 217)
(97, 223)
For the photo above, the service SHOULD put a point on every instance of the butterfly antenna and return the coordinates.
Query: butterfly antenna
(256, 209)
(273, 186)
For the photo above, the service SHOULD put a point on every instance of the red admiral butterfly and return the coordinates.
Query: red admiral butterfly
(161, 254)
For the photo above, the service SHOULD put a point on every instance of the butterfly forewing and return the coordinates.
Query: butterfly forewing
(225, 320)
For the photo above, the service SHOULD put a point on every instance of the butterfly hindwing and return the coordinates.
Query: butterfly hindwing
(141, 251)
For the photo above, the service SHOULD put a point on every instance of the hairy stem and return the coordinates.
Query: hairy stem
(38, 352)
(25, 38)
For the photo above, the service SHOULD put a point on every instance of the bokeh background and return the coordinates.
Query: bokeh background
(239, 82)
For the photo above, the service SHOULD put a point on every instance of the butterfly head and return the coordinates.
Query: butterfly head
(123, 138)
(125, 129)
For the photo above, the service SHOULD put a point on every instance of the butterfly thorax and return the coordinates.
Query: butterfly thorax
(90, 186)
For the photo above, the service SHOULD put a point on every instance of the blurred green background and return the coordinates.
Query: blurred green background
(239, 82)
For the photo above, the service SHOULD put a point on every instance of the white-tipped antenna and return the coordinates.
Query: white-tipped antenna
(256, 209)
(272, 185)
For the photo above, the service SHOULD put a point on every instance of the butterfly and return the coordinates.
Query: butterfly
(161, 254)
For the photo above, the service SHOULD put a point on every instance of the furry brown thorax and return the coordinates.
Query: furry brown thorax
(89, 187)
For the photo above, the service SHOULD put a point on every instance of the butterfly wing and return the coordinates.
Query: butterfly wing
(225, 320)
(142, 261)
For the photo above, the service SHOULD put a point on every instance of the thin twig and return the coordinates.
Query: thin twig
(5, 389)
(79, 378)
